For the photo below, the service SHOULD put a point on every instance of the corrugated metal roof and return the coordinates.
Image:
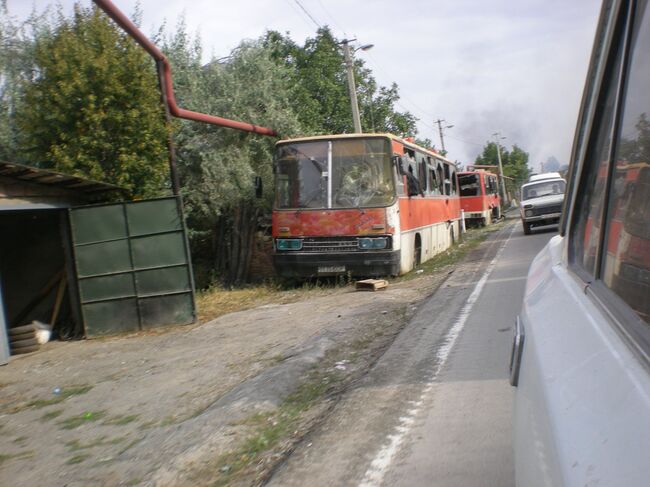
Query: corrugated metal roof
(51, 178)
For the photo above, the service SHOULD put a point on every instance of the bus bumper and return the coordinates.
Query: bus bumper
(312, 264)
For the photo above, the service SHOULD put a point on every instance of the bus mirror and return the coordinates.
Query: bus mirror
(258, 187)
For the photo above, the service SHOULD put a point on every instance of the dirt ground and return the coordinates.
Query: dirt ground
(155, 409)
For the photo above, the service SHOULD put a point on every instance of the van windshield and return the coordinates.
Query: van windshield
(544, 188)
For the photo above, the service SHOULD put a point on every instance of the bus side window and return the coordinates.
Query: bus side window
(454, 186)
(447, 180)
(422, 174)
(433, 184)
(441, 179)
(399, 175)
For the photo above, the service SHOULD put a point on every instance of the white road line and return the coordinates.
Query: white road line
(375, 473)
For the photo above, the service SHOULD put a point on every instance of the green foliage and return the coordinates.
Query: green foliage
(515, 164)
(322, 99)
(17, 67)
(94, 108)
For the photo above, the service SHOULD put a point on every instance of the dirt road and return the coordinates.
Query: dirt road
(178, 407)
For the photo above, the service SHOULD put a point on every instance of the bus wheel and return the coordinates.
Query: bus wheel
(417, 251)
(496, 213)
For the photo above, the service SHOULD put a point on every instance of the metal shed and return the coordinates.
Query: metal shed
(93, 267)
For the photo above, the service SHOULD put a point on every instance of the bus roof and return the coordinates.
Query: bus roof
(476, 171)
(392, 137)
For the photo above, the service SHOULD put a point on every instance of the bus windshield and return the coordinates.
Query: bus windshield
(470, 185)
(361, 174)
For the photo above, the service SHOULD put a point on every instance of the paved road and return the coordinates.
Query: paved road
(436, 409)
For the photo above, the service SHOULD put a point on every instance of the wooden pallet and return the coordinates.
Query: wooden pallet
(371, 285)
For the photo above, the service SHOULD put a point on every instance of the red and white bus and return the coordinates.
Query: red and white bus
(479, 197)
(361, 205)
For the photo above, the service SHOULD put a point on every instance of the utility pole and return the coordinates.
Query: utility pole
(504, 195)
(351, 86)
(442, 140)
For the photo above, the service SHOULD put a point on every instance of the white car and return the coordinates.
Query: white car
(581, 353)
(541, 201)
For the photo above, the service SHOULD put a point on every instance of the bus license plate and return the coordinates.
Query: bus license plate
(322, 269)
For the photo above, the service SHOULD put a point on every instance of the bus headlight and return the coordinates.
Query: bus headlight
(529, 212)
(288, 243)
(372, 243)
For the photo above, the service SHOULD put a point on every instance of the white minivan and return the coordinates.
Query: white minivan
(580, 361)
(541, 201)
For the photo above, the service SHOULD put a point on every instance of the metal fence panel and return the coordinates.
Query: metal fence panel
(133, 265)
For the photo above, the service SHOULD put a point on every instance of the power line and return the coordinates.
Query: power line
(425, 115)
(298, 12)
(338, 26)
(308, 14)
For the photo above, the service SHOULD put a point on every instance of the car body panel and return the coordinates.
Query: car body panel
(582, 399)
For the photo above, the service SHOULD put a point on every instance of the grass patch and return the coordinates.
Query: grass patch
(77, 459)
(76, 421)
(20, 440)
(271, 428)
(122, 420)
(52, 414)
(130, 445)
(62, 396)
(76, 445)
(217, 300)
(4, 457)
(147, 425)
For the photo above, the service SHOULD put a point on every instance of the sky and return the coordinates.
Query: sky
(516, 67)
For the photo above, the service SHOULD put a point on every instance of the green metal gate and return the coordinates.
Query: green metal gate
(133, 266)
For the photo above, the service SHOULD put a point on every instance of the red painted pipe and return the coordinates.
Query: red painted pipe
(130, 28)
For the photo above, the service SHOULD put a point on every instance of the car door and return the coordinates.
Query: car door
(581, 355)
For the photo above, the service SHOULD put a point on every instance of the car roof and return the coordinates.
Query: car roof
(546, 175)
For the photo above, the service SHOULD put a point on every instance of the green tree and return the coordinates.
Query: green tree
(17, 68)
(322, 99)
(218, 165)
(94, 107)
(515, 164)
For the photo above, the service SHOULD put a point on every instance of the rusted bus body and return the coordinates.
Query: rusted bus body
(343, 205)
(479, 197)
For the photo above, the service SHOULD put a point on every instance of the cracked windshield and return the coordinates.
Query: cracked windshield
(339, 174)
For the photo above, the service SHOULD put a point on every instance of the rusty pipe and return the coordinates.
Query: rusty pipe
(131, 29)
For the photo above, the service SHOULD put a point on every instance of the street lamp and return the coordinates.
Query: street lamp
(497, 136)
(347, 53)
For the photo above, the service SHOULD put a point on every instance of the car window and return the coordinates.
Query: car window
(626, 261)
(586, 225)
